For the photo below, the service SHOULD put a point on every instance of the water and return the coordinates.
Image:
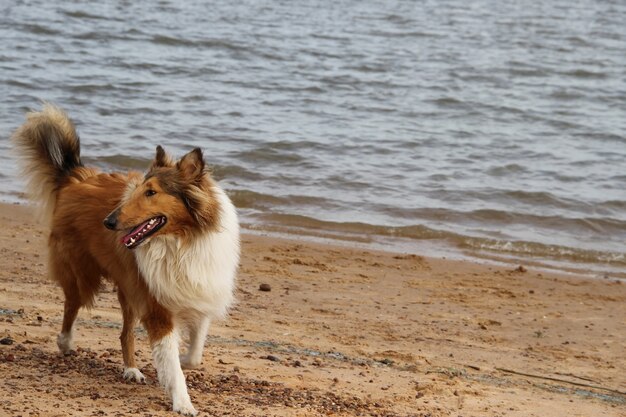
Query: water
(495, 129)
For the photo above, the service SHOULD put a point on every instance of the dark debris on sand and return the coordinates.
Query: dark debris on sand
(221, 395)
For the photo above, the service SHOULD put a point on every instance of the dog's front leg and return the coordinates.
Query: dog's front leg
(164, 339)
(131, 373)
(197, 335)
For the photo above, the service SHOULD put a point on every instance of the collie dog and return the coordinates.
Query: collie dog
(168, 239)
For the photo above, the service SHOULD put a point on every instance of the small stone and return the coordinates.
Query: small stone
(265, 287)
(9, 358)
(39, 318)
(521, 268)
(6, 341)
(271, 358)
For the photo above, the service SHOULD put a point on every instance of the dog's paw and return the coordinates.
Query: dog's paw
(187, 362)
(185, 408)
(64, 342)
(134, 374)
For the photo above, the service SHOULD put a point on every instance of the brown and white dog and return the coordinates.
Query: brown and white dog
(172, 249)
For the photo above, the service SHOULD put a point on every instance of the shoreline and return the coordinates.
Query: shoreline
(344, 330)
(443, 243)
(432, 247)
(438, 249)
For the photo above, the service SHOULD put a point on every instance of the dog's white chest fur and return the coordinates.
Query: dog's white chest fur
(198, 275)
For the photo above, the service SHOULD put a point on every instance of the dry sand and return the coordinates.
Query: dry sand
(343, 332)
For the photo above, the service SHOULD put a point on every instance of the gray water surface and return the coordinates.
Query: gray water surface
(498, 127)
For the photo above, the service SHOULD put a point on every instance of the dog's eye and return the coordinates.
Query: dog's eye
(150, 193)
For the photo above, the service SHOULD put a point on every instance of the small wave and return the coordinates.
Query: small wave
(556, 123)
(252, 199)
(295, 220)
(585, 74)
(40, 30)
(527, 72)
(282, 87)
(120, 162)
(538, 250)
(411, 34)
(79, 14)
(578, 41)
(509, 169)
(214, 44)
(330, 37)
(368, 68)
(602, 136)
(170, 41)
(525, 69)
(20, 84)
(279, 152)
(125, 87)
(449, 102)
(298, 145)
(492, 219)
(613, 204)
(102, 36)
(360, 231)
(399, 19)
(234, 172)
(341, 182)
(90, 88)
(536, 198)
(206, 43)
(567, 178)
(566, 95)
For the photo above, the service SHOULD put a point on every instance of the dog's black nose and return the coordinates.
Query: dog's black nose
(110, 222)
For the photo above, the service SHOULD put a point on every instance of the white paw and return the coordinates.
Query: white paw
(188, 362)
(134, 374)
(64, 342)
(184, 407)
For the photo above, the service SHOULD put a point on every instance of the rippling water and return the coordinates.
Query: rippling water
(499, 129)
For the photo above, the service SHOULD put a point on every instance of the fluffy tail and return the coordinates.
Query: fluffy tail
(49, 149)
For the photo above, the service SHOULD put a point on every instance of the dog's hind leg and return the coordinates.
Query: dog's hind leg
(62, 274)
(131, 372)
(79, 280)
(197, 336)
(164, 340)
(70, 311)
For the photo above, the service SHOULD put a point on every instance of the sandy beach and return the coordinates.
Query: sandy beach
(342, 332)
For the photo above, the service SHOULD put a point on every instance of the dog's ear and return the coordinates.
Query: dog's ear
(162, 159)
(191, 165)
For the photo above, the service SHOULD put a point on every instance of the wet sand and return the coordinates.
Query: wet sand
(342, 332)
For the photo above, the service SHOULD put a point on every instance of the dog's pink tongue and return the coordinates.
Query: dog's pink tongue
(133, 234)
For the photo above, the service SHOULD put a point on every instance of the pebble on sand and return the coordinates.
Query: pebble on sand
(6, 341)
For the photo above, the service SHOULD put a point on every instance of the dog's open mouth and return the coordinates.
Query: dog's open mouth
(143, 231)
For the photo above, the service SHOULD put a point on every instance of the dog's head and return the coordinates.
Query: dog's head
(175, 197)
